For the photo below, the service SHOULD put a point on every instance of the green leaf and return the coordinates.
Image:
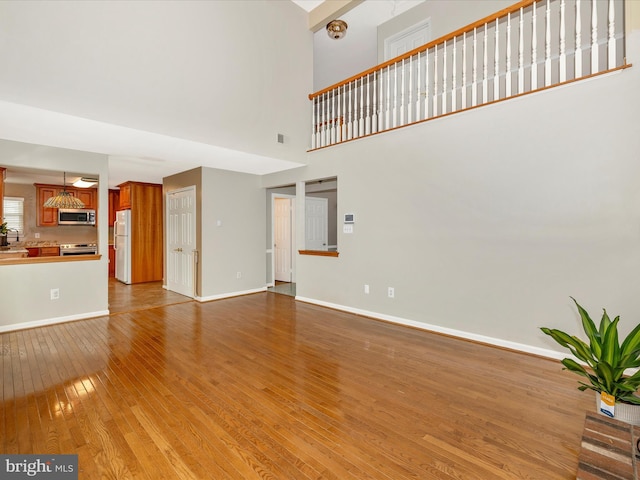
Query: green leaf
(631, 344)
(589, 328)
(610, 345)
(578, 347)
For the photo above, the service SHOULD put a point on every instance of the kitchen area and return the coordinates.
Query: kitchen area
(44, 231)
(52, 216)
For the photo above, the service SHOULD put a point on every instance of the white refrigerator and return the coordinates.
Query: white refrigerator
(122, 245)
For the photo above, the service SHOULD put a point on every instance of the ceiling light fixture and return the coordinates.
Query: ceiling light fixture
(85, 182)
(336, 29)
(64, 199)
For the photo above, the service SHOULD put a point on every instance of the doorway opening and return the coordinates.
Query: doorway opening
(281, 275)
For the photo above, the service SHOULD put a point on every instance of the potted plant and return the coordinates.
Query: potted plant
(3, 234)
(604, 361)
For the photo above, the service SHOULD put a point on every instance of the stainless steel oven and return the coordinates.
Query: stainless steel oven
(78, 249)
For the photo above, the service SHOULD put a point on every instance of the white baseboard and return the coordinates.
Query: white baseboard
(520, 347)
(230, 294)
(52, 321)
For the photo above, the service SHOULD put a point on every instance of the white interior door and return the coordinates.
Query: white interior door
(406, 40)
(181, 241)
(316, 223)
(282, 238)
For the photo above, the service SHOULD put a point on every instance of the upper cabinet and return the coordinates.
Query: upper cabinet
(48, 217)
(125, 196)
(114, 205)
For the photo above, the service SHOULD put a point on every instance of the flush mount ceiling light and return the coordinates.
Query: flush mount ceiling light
(85, 182)
(64, 199)
(336, 29)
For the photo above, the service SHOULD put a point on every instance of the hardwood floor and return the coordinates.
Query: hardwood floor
(140, 296)
(264, 387)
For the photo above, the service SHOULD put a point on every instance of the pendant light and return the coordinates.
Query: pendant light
(64, 199)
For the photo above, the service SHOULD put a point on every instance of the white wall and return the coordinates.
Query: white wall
(492, 218)
(233, 228)
(25, 289)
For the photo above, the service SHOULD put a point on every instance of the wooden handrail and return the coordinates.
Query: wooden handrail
(505, 11)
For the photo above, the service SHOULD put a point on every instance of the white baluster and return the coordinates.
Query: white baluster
(323, 137)
(381, 102)
(547, 45)
(402, 94)
(463, 92)
(361, 124)
(496, 63)
(612, 36)
(313, 123)
(474, 71)
(534, 49)
(367, 121)
(563, 55)
(374, 116)
(578, 53)
(394, 114)
(388, 112)
(521, 53)
(333, 117)
(356, 110)
(507, 77)
(435, 81)
(595, 60)
(426, 84)
(418, 88)
(444, 78)
(454, 90)
(344, 113)
(410, 100)
(485, 68)
(350, 114)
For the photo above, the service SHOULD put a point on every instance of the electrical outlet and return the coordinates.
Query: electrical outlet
(391, 292)
(366, 289)
(55, 293)
(239, 275)
(37, 235)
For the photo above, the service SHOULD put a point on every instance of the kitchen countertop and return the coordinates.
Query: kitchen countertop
(12, 253)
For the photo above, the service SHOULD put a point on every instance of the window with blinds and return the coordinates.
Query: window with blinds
(14, 213)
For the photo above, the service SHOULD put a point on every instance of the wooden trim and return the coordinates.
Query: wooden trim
(586, 77)
(61, 259)
(319, 253)
(513, 8)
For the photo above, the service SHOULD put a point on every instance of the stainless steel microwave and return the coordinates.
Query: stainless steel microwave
(76, 216)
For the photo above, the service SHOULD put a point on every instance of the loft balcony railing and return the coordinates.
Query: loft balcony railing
(530, 46)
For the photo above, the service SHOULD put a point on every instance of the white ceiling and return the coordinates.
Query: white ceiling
(141, 81)
(93, 76)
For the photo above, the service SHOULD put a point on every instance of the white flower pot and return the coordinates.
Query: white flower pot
(625, 412)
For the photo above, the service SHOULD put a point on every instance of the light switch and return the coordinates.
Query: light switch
(218, 223)
(348, 228)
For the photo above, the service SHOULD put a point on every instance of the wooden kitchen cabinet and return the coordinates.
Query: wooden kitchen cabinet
(48, 217)
(114, 205)
(43, 251)
(146, 229)
(125, 196)
(88, 197)
(49, 251)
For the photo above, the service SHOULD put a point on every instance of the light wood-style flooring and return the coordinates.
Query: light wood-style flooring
(264, 387)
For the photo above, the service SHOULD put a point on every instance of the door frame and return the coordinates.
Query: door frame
(292, 236)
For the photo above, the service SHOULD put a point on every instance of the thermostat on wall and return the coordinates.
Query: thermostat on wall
(349, 218)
